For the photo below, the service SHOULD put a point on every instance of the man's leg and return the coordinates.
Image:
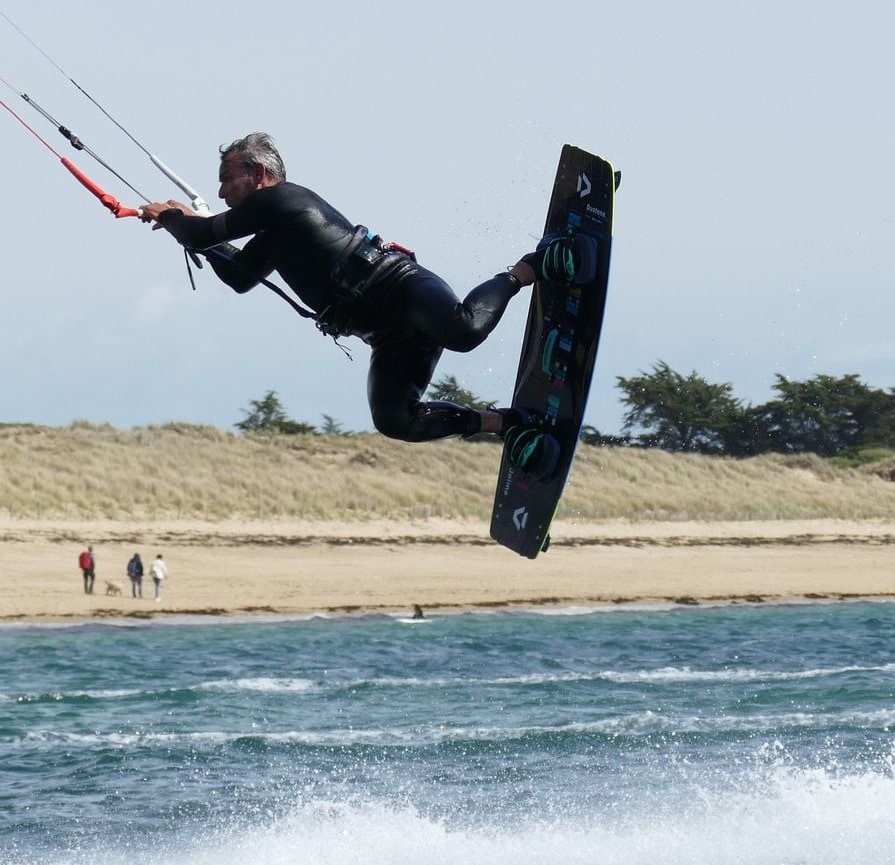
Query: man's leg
(400, 371)
(402, 366)
(430, 305)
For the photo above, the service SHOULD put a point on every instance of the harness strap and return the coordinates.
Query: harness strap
(353, 280)
(355, 265)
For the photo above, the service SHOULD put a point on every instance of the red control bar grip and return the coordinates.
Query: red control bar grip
(109, 201)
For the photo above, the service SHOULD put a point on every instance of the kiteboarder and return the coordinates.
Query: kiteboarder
(356, 284)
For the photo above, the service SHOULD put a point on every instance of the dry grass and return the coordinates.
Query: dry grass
(179, 471)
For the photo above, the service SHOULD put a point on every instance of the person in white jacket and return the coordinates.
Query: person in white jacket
(159, 571)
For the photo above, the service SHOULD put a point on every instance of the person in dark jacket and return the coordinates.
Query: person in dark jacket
(135, 572)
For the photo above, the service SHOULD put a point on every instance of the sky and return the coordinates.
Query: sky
(753, 226)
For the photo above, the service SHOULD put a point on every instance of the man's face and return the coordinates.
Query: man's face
(236, 182)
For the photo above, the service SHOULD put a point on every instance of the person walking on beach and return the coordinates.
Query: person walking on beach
(159, 571)
(135, 572)
(87, 564)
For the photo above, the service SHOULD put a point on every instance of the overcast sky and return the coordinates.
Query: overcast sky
(753, 229)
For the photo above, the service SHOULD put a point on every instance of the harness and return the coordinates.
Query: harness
(355, 280)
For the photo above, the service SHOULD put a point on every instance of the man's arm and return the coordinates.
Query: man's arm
(241, 269)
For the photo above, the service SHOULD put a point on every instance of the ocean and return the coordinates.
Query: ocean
(746, 734)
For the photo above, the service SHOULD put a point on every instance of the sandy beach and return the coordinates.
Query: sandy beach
(288, 568)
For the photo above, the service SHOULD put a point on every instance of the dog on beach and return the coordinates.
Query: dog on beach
(113, 587)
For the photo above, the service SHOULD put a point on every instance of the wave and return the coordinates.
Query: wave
(274, 684)
(686, 674)
(797, 817)
(660, 675)
(287, 686)
(792, 818)
(263, 684)
(559, 737)
(648, 722)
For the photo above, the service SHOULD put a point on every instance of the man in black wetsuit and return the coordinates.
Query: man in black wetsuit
(357, 285)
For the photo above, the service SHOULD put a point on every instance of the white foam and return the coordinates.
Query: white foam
(781, 818)
(263, 684)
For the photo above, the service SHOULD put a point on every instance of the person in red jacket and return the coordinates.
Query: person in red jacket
(87, 564)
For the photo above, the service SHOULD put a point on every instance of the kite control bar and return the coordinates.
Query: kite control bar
(109, 201)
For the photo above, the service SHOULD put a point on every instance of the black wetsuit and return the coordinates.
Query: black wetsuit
(407, 314)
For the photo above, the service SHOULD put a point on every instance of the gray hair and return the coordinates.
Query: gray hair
(258, 148)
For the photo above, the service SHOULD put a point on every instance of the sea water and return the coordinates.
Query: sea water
(730, 734)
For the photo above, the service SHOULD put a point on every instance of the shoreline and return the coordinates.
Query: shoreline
(120, 619)
(286, 569)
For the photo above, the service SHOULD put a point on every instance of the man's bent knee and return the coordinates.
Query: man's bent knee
(394, 426)
(429, 421)
(466, 341)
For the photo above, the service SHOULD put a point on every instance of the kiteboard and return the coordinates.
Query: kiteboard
(558, 353)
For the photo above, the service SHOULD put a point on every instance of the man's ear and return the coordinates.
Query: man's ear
(259, 175)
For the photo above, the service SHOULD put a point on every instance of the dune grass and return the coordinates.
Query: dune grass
(179, 471)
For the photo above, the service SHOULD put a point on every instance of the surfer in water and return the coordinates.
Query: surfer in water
(356, 284)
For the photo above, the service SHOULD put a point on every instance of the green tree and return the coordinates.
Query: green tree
(268, 415)
(746, 433)
(332, 427)
(590, 435)
(295, 427)
(447, 388)
(827, 415)
(879, 429)
(679, 413)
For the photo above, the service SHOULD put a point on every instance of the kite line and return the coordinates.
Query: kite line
(107, 200)
(197, 202)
